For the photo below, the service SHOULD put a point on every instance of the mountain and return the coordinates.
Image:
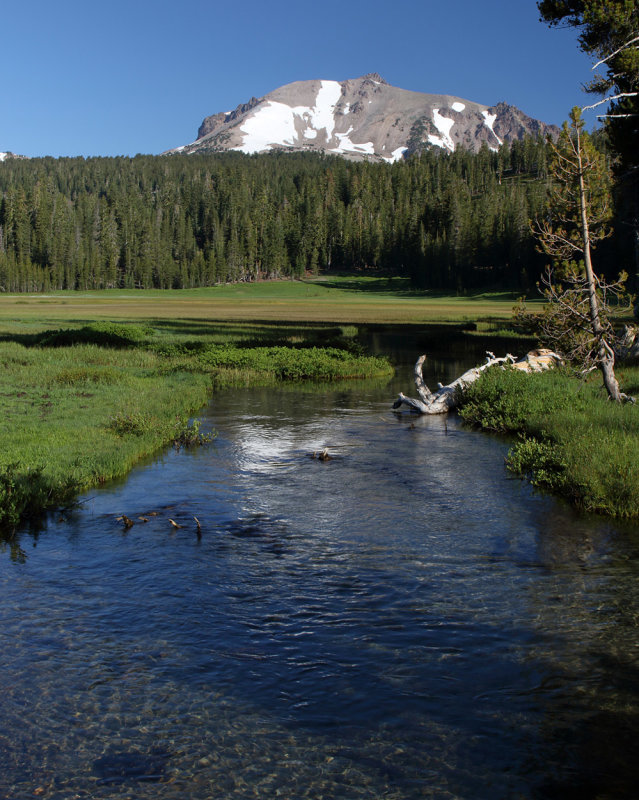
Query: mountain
(361, 118)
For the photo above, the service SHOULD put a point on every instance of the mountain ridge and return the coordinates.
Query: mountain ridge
(361, 118)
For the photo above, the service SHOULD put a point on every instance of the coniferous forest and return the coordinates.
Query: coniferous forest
(448, 221)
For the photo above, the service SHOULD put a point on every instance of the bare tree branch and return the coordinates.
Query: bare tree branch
(610, 99)
(616, 52)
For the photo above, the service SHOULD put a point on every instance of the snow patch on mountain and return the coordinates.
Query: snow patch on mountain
(278, 123)
(323, 115)
(347, 146)
(344, 141)
(489, 121)
(443, 125)
(273, 122)
(459, 107)
(396, 155)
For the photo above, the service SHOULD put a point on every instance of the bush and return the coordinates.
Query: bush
(541, 462)
(508, 400)
(280, 363)
(103, 334)
(188, 434)
(132, 423)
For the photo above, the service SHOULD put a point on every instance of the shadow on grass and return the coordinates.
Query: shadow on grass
(195, 334)
(402, 287)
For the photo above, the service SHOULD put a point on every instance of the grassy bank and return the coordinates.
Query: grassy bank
(572, 440)
(79, 405)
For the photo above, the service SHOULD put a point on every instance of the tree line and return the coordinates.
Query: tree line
(449, 221)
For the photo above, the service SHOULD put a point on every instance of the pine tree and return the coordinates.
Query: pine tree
(578, 313)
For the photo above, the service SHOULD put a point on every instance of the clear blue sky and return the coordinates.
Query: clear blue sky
(134, 76)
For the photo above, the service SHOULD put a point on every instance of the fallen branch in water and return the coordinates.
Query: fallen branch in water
(446, 398)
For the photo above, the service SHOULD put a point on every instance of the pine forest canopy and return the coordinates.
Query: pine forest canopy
(446, 220)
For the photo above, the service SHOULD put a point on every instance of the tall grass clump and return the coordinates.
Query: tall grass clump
(572, 440)
(25, 491)
(103, 334)
(289, 363)
(230, 364)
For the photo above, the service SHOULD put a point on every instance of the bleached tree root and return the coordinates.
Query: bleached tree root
(446, 398)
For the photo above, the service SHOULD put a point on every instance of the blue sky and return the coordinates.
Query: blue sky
(134, 76)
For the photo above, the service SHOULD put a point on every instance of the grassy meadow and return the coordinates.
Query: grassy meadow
(340, 299)
(92, 382)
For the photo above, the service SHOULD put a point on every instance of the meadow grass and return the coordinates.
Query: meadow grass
(81, 404)
(59, 413)
(572, 440)
(350, 300)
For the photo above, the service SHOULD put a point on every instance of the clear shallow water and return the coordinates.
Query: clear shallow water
(403, 621)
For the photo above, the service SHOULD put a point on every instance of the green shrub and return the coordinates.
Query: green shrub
(103, 334)
(188, 434)
(287, 363)
(541, 462)
(132, 423)
(25, 492)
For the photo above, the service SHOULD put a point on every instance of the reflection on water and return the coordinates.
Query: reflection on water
(401, 621)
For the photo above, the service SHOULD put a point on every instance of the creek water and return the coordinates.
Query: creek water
(401, 621)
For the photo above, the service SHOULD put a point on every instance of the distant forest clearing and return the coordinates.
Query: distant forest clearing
(328, 299)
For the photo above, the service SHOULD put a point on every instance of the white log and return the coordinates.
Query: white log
(446, 398)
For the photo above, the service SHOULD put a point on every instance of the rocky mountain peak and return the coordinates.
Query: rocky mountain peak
(361, 118)
(375, 77)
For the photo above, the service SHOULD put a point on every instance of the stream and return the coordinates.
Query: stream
(404, 620)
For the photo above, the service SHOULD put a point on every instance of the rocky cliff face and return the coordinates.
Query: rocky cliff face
(361, 118)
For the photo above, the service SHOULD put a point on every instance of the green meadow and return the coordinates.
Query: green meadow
(338, 299)
(92, 382)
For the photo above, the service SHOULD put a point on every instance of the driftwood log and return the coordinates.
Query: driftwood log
(446, 398)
